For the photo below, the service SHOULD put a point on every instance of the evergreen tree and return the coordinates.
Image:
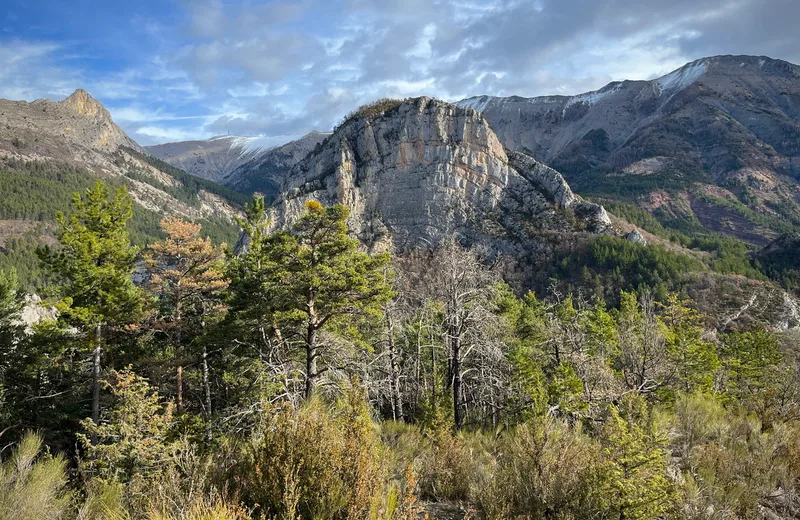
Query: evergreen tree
(311, 276)
(11, 331)
(92, 271)
(187, 276)
(695, 359)
(131, 443)
(632, 482)
(749, 362)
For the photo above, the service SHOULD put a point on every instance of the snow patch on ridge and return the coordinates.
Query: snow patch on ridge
(477, 103)
(255, 145)
(590, 98)
(681, 78)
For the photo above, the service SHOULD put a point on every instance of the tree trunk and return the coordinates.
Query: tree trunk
(456, 364)
(311, 360)
(206, 384)
(397, 396)
(178, 357)
(98, 350)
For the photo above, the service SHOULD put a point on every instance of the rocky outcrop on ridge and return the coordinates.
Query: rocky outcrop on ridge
(414, 171)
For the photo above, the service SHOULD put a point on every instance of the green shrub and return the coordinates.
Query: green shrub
(316, 463)
(32, 484)
(449, 465)
(543, 470)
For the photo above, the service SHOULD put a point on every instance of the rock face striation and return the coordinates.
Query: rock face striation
(413, 172)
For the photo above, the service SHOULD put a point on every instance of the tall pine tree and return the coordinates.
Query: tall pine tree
(308, 277)
(93, 271)
(187, 276)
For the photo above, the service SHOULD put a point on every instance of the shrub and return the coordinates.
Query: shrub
(33, 485)
(203, 509)
(316, 463)
(543, 470)
(449, 466)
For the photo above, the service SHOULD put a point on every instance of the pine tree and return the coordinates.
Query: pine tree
(132, 439)
(312, 275)
(187, 276)
(632, 482)
(93, 270)
(11, 331)
(695, 359)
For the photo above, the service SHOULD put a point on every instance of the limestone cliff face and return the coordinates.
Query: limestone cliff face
(78, 128)
(413, 172)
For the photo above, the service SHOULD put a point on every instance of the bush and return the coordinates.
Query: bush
(316, 463)
(449, 465)
(33, 485)
(203, 509)
(543, 470)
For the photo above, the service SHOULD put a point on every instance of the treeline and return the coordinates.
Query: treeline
(307, 379)
(31, 190)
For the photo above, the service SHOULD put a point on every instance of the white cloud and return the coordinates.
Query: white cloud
(168, 134)
(283, 68)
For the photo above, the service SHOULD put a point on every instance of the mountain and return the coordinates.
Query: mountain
(714, 145)
(415, 171)
(265, 173)
(212, 159)
(246, 164)
(77, 128)
(51, 149)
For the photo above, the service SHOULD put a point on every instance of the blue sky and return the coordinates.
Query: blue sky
(186, 69)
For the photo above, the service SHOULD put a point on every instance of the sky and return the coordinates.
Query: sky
(173, 70)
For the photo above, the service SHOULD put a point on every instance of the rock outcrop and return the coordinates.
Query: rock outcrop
(636, 237)
(415, 171)
(77, 128)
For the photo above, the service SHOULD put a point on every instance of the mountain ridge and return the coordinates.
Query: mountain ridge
(414, 170)
(713, 145)
(245, 163)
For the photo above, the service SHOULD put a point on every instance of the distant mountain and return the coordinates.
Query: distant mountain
(212, 159)
(51, 149)
(246, 164)
(714, 145)
(265, 172)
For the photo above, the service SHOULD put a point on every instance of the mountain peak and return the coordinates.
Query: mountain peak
(82, 103)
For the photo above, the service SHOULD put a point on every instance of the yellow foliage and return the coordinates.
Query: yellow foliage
(313, 206)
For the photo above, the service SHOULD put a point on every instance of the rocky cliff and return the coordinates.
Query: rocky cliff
(414, 171)
(77, 128)
(716, 142)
